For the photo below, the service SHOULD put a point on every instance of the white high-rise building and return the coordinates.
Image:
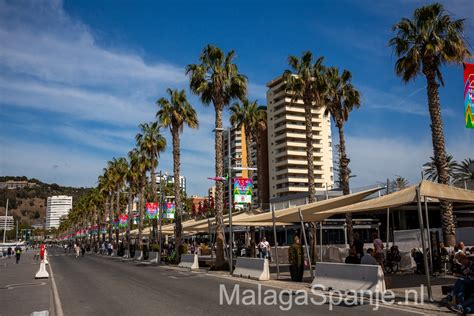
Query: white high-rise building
(288, 171)
(56, 207)
(169, 178)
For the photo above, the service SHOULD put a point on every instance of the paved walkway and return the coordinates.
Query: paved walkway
(20, 292)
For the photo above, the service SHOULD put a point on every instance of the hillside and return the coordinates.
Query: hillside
(28, 204)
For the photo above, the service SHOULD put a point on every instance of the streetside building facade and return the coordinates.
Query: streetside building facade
(288, 170)
(57, 207)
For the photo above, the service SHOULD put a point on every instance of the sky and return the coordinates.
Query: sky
(78, 77)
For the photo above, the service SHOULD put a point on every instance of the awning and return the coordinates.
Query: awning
(291, 215)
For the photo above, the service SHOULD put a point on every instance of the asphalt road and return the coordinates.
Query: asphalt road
(96, 285)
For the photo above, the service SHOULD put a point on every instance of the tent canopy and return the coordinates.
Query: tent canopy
(402, 197)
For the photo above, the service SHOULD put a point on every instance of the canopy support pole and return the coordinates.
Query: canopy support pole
(425, 257)
(321, 241)
(388, 228)
(210, 238)
(306, 243)
(276, 242)
(429, 234)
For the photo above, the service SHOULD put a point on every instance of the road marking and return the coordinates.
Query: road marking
(57, 301)
(14, 286)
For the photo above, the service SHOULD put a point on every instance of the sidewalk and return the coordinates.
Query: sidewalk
(20, 292)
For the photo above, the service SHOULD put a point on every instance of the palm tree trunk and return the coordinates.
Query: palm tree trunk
(220, 260)
(117, 214)
(111, 225)
(344, 172)
(130, 214)
(437, 134)
(177, 189)
(309, 155)
(249, 164)
(153, 190)
(309, 148)
(140, 225)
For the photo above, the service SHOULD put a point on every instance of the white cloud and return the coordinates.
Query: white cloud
(50, 163)
(376, 159)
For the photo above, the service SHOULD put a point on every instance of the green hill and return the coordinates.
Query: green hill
(28, 204)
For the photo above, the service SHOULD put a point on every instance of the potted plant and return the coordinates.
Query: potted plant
(205, 250)
(296, 259)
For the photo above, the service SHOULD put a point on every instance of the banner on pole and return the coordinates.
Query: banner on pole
(469, 94)
(169, 211)
(243, 188)
(123, 220)
(152, 210)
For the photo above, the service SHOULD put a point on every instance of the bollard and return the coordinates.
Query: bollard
(42, 273)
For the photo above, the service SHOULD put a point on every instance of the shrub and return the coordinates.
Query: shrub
(183, 248)
(155, 247)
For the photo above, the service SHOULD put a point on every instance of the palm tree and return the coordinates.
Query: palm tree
(175, 113)
(341, 98)
(430, 39)
(106, 187)
(248, 114)
(143, 166)
(151, 144)
(399, 183)
(431, 172)
(464, 171)
(119, 169)
(260, 135)
(217, 80)
(306, 82)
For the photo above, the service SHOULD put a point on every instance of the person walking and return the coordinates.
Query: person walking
(264, 247)
(359, 246)
(18, 253)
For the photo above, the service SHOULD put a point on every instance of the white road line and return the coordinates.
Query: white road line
(57, 301)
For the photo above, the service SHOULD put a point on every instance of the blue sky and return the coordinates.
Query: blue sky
(77, 77)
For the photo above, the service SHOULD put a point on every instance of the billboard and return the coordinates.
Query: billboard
(243, 190)
(469, 94)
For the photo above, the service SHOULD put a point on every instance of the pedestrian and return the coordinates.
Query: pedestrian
(352, 258)
(378, 247)
(77, 249)
(264, 248)
(18, 253)
(83, 250)
(368, 258)
(9, 252)
(359, 246)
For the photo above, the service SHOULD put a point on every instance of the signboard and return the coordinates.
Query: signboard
(469, 94)
(243, 190)
(152, 210)
(169, 211)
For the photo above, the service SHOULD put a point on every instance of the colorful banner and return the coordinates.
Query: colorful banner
(469, 94)
(123, 220)
(152, 210)
(243, 190)
(169, 211)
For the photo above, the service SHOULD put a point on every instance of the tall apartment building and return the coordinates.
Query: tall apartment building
(169, 179)
(288, 171)
(238, 154)
(57, 207)
(238, 157)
